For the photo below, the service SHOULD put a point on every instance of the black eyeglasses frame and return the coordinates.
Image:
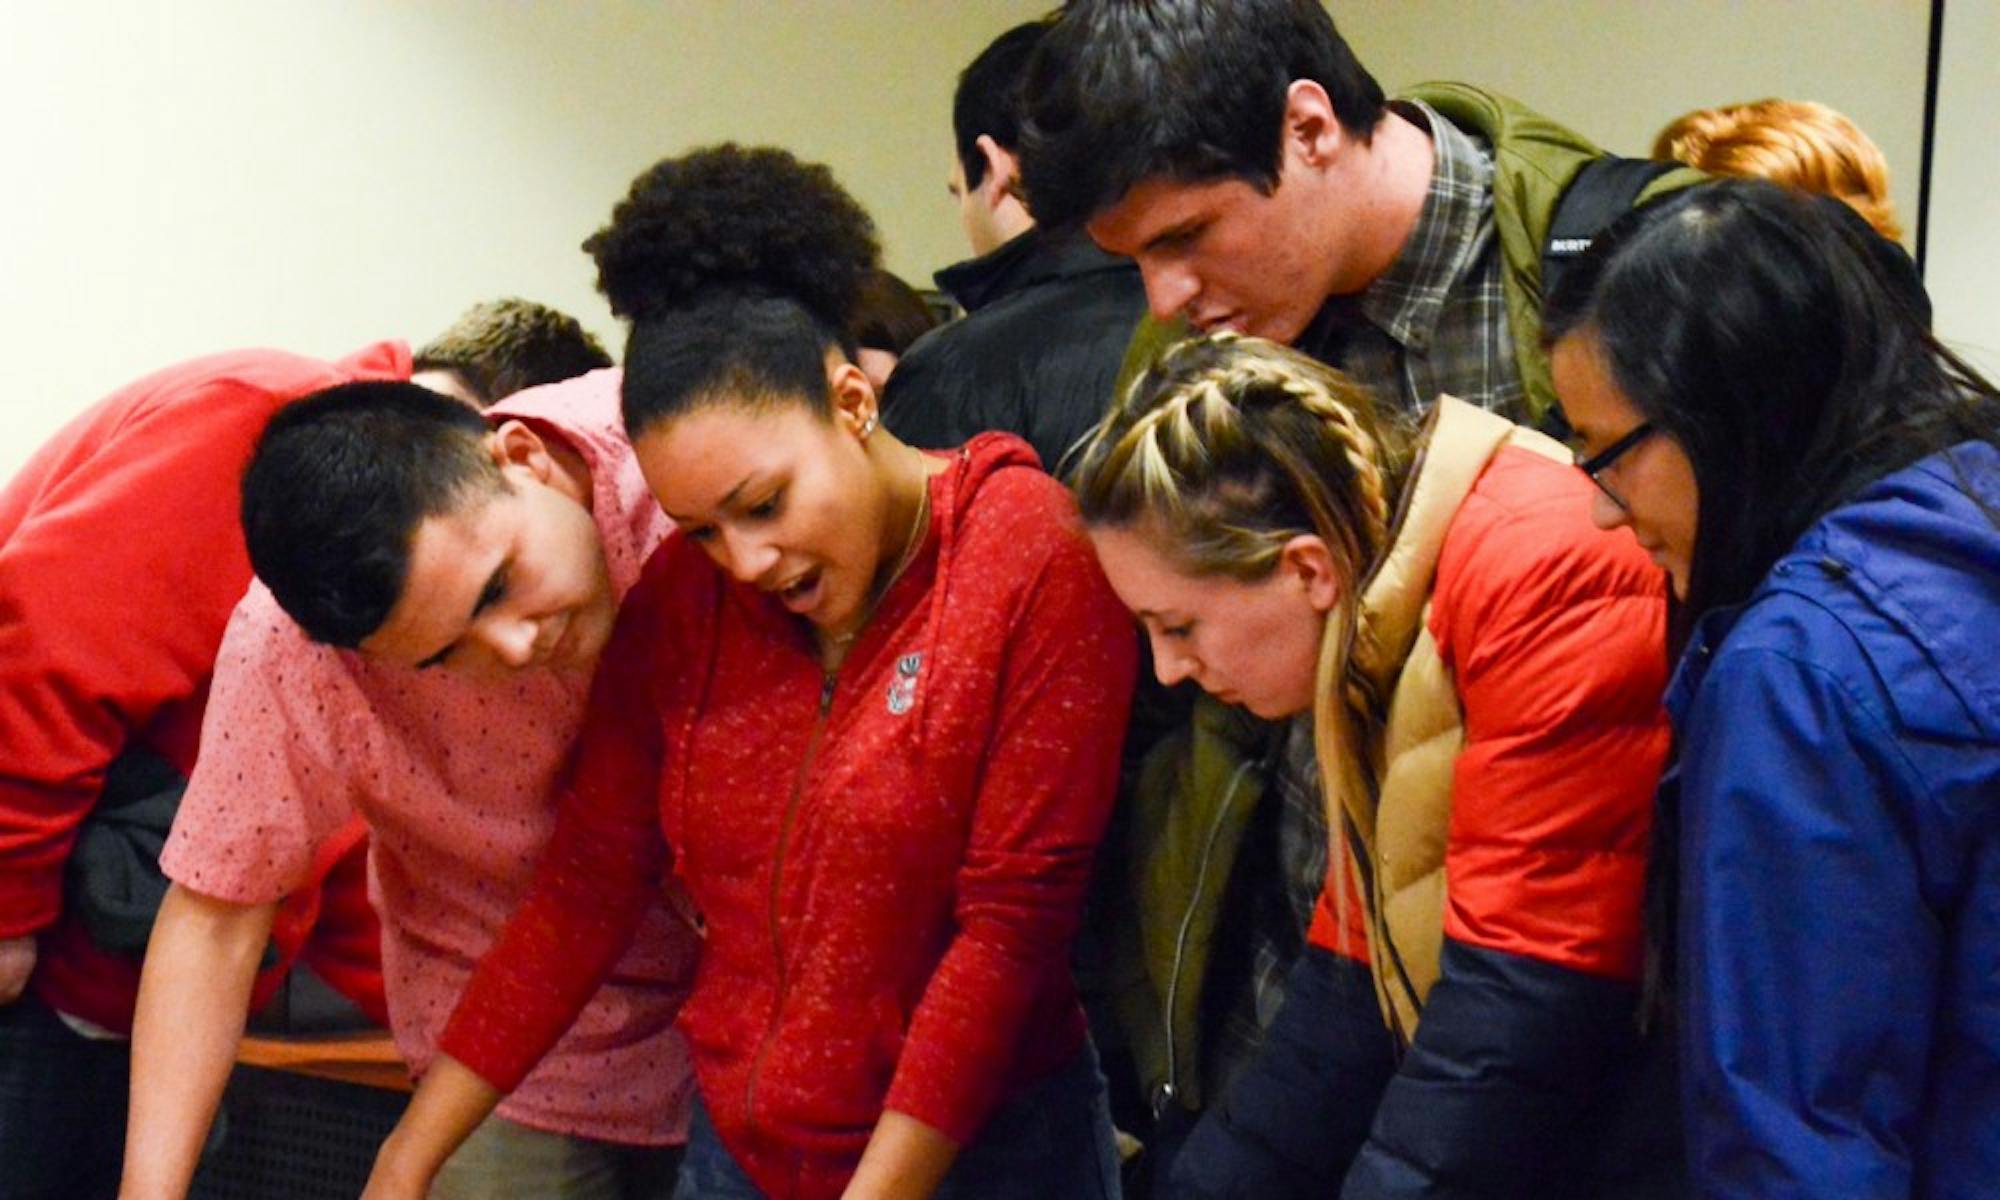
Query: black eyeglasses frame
(1603, 460)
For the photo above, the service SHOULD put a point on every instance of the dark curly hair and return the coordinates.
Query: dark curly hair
(738, 267)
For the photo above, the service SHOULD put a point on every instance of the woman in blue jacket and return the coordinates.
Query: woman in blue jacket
(1761, 401)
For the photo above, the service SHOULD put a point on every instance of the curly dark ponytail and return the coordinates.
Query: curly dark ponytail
(738, 268)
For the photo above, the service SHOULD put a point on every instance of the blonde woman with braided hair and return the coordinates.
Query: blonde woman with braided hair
(1482, 670)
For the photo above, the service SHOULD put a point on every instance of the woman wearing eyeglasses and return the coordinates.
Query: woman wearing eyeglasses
(1483, 669)
(1820, 478)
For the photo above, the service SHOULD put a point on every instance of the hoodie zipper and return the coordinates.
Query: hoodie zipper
(827, 682)
(828, 679)
(1167, 1091)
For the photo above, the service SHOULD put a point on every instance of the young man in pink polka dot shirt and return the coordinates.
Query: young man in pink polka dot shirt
(436, 695)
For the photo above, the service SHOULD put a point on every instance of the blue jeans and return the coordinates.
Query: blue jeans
(1052, 1142)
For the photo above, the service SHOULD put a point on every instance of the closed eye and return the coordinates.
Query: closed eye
(766, 508)
(490, 595)
(1174, 241)
(1177, 631)
(494, 591)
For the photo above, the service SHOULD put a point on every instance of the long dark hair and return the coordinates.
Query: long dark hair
(1780, 341)
(738, 268)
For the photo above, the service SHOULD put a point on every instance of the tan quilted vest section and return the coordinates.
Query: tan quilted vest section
(1398, 809)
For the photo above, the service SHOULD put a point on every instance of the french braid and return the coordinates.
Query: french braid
(1232, 446)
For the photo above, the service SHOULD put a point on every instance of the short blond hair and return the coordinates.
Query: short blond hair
(500, 346)
(1800, 143)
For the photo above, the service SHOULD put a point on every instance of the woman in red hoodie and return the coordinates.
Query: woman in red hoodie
(866, 712)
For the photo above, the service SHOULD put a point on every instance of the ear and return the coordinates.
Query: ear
(1307, 561)
(1312, 131)
(514, 445)
(1003, 171)
(852, 396)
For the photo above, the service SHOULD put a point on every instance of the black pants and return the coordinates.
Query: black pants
(1291, 1120)
(62, 1107)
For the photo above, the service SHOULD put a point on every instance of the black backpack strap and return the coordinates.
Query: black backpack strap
(1604, 190)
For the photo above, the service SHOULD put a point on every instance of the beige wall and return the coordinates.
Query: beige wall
(194, 175)
(1618, 70)
(1965, 187)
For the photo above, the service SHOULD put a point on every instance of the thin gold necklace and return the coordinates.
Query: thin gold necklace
(911, 540)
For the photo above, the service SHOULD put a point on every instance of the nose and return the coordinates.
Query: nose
(1170, 663)
(1170, 288)
(509, 639)
(747, 557)
(1606, 513)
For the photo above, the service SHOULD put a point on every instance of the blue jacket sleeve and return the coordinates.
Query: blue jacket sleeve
(1810, 962)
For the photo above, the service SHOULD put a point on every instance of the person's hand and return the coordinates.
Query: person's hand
(394, 1177)
(448, 1105)
(17, 962)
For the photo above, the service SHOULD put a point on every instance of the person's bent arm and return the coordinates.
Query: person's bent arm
(597, 876)
(1044, 796)
(602, 866)
(193, 997)
(449, 1104)
(904, 1158)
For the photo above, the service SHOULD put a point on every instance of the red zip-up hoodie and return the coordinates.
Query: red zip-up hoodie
(890, 861)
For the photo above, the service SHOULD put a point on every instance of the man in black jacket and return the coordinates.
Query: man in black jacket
(1049, 314)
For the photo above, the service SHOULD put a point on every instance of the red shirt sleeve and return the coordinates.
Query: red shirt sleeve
(1554, 632)
(602, 869)
(1049, 779)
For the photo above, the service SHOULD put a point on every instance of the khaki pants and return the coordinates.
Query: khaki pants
(503, 1160)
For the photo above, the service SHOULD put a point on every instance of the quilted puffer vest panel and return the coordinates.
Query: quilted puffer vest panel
(1400, 806)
